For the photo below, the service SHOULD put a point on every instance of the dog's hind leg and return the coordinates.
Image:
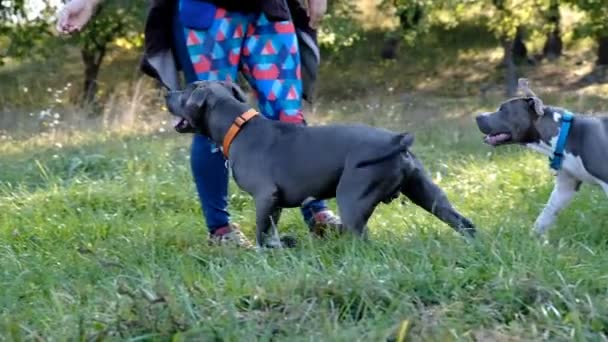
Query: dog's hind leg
(358, 193)
(354, 212)
(421, 190)
(563, 192)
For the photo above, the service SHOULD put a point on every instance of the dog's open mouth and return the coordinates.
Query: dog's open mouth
(497, 139)
(181, 124)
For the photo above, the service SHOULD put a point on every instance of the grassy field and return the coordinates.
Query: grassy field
(101, 234)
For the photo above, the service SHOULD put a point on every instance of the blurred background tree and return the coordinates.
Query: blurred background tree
(508, 19)
(594, 25)
(31, 36)
(116, 21)
(554, 45)
(25, 32)
(420, 38)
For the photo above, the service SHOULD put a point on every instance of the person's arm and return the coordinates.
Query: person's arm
(316, 11)
(75, 15)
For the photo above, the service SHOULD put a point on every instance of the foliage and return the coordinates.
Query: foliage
(413, 16)
(506, 16)
(27, 36)
(9, 10)
(115, 19)
(596, 22)
(34, 38)
(340, 28)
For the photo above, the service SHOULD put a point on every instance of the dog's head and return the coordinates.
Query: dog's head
(191, 105)
(515, 120)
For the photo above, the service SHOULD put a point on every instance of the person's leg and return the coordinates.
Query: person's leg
(208, 55)
(271, 63)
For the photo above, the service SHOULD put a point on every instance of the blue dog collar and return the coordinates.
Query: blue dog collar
(558, 153)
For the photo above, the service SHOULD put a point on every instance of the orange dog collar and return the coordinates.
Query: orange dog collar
(235, 128)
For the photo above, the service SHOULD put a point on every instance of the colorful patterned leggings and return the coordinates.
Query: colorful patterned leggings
(267, 55)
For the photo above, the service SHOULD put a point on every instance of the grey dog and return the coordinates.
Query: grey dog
(282, 165)
(576, 145)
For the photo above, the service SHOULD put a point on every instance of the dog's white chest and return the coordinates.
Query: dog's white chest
(571, 163)
(574, 166)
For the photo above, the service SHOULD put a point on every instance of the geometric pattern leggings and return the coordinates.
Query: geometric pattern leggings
(267, 55)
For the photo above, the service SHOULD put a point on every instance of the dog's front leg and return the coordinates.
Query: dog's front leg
(563, 192)
(605, 187)
(267, 214)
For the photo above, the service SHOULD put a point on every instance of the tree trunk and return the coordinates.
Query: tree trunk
(553, 45)
(389, 48)
(510, 68)
(602, 51)
(519, 50)
(410, 16)
(92, 59)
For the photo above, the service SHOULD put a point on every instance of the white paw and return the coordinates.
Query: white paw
(543, 223)
(273, 242)
(540, 234)
(539, 230)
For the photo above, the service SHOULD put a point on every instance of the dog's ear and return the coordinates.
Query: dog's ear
(196, 101)
(407, 139)
(237, 92)
(537, 105)
(524, 86)
(535, 101)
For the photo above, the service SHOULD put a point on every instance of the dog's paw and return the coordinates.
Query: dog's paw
(539, 235)
(467, 228)
(285, 241)
(469, 232)
(289, 241)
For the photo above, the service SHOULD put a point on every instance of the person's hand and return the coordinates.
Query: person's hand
(75, 14)
(316, 11)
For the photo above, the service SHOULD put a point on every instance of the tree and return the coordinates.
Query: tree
(31, 37)
(553, 44)
(595, 25)
(340, 28)
(411, 15)
(520, 51)
(114, 19)
(25, 34)
(505, 19)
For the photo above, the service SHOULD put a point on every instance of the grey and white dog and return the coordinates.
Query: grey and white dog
(576, 145)
(283, 165)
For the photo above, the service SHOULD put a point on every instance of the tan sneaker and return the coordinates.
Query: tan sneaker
(229, 235)
(325, 221)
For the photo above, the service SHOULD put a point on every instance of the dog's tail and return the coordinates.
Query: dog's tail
(400, 144)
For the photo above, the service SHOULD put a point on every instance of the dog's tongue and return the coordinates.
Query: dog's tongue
(497, 138)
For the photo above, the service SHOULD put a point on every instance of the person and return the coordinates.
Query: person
(214, 40)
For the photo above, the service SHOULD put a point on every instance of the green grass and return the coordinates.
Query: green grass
(101, 234)
(103, 238)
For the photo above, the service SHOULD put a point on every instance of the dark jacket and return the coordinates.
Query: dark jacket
(158, 59)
